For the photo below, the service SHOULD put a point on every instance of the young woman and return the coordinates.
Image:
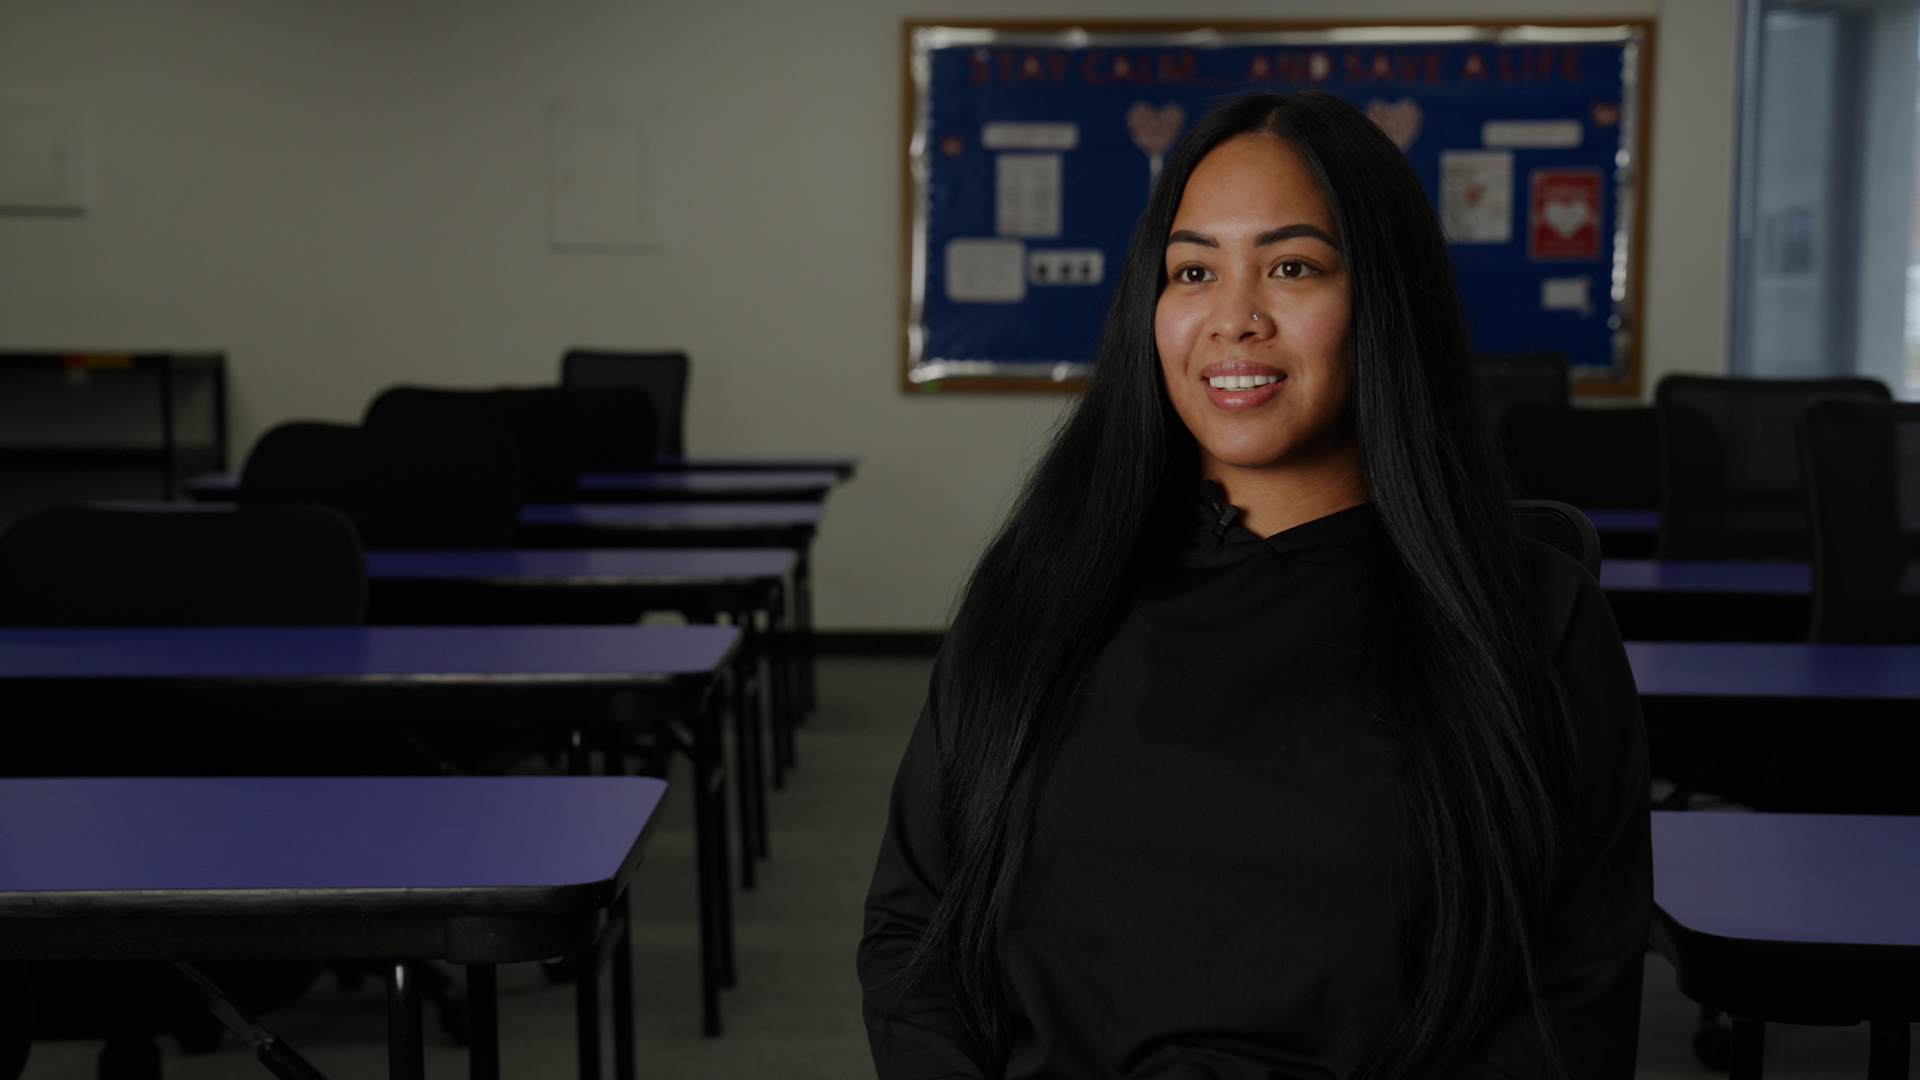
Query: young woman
(1261, 745)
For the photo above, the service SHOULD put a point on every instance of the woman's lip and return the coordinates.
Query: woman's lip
(1239, 367)
(1240, 400)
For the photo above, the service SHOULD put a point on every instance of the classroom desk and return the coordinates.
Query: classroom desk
(707, 486)
(1699, 576)
(1793, 918)
(1775, 671)
(790, 525)
(675, 663)
(1632, 533)
(843, 466)
(221, 487)
(1782, 726)
(618, 586)
(1687, 600)
(478, 871)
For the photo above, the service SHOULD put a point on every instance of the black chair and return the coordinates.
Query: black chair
(1593, 458)
(1862, 461)
(81, 566)
(426, 486)
(1510, 379)
(1729, 464)
(1560, 526)
(661, 375)
(85, 566)
(545, 422)
(619, 430)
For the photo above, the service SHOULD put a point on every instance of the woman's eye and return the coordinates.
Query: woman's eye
(1292, 268)
(1190, 275)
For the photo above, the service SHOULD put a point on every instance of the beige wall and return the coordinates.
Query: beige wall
(343, 194)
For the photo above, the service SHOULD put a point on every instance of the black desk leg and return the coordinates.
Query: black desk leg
(803, 628)
(586, 1010)
(1749, 1046)
(710, 842)
(749, 767)
(780, 704)
(623, 992)
(737, 706)
(483, 1023)
(1888, 1050)
(406, 1045)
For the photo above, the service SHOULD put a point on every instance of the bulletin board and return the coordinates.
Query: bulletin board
(1031, 149)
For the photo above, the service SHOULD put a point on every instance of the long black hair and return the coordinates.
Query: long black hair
(1482, 726)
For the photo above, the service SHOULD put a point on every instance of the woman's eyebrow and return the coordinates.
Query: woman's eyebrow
(1288, 232)
(1271, 236)
(1182, 236)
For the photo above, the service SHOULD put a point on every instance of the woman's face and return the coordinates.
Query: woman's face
(1252, 324)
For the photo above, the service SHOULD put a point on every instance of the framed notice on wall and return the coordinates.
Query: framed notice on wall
(1031, 149)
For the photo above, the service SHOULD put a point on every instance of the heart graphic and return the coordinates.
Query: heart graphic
(1154, 130)
(1566, 216)
(1399, 119)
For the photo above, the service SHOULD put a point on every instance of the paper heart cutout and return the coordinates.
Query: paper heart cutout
(1399, 119)
(1154, 130)
(1566, 216)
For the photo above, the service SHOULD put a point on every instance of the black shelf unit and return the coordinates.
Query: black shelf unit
(83, 425)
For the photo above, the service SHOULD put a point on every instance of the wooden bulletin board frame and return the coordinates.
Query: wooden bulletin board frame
(1622, 275)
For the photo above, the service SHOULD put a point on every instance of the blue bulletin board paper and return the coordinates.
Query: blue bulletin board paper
(1032, 151)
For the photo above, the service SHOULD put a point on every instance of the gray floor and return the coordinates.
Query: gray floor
(795, 1012)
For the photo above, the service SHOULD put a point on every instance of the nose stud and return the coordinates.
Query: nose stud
(1256, 318)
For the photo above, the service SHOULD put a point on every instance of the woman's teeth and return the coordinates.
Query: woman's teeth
(1241, 382)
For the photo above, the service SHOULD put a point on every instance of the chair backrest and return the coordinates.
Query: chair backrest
(545, 421)
(198, 566)
(424, 486)
(1730, 471)
(1862, 461)
(619, 431)
(1509, 379)
(1593, 458)
(662, 375)
(1560, 526)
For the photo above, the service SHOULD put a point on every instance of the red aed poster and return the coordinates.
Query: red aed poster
(1566, 214)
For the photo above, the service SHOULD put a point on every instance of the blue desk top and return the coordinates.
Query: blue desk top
(1645, 521)
(134, 845)
(1770, 670)
(1834, 878)
(835, 468)
(744, 516)
(214, 483)
(1680, 575)
(712, 482)
(585, 566)
(380, 654)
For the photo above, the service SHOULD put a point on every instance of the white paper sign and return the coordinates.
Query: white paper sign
(986, 271)
(42, 166)
(1567, 294)
(599, 177)
(1008, 135)
(1027, 194)
(1533, 134)
(1066, 266)
(1476, 196)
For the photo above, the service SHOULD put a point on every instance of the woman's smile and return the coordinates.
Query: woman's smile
(1239, 385)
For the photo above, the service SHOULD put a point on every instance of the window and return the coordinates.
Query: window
(1827, 242)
